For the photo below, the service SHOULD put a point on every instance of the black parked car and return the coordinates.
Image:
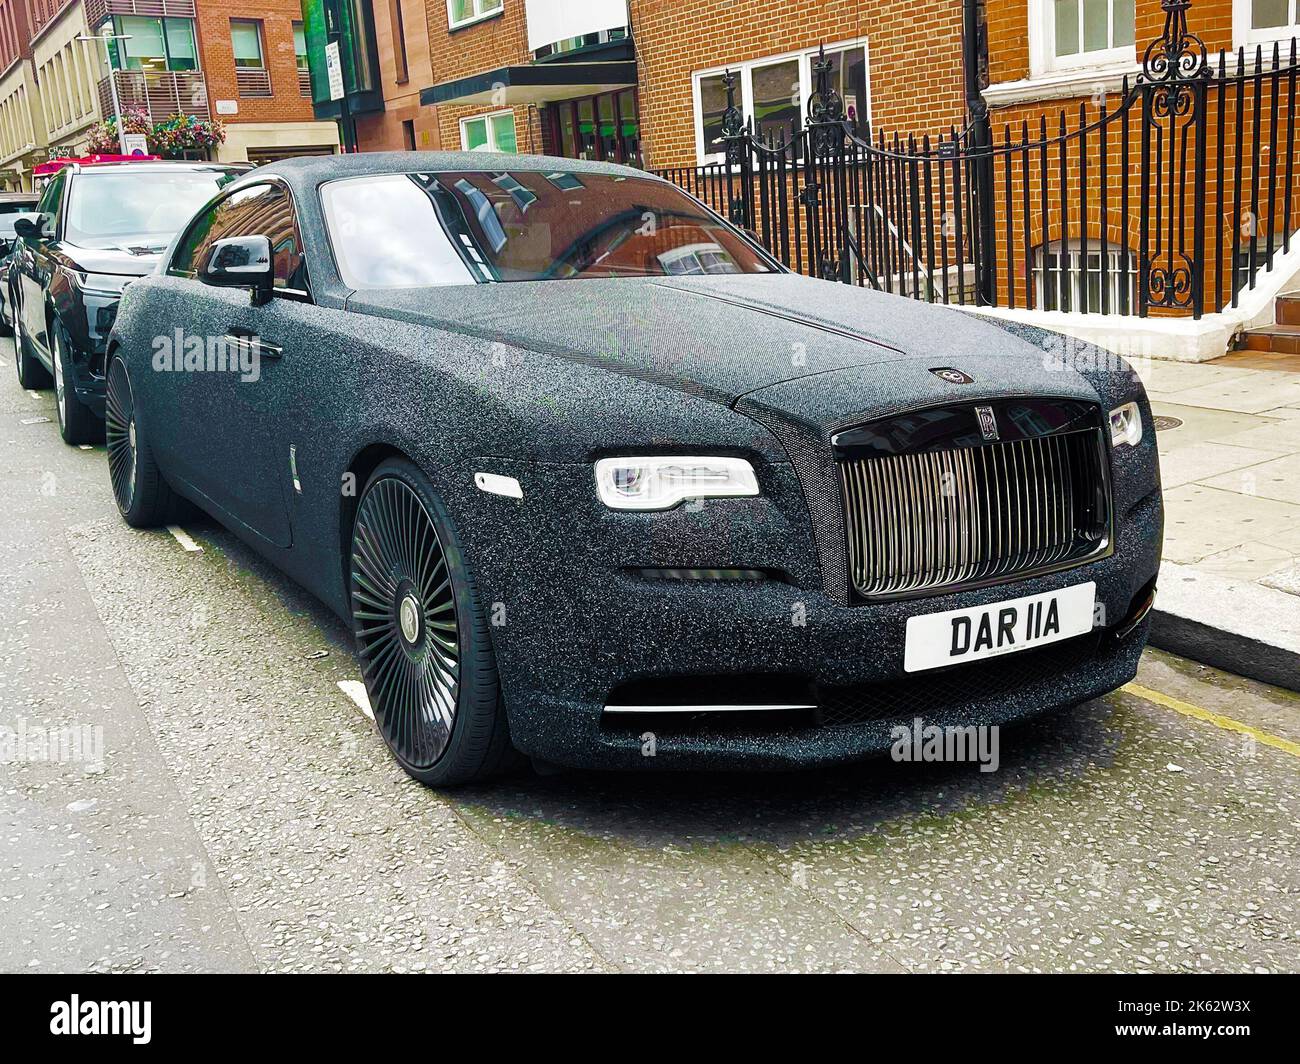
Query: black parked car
(101, 226)
(13, 205)
(580, 462)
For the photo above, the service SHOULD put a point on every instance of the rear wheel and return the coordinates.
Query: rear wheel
(141, 493)
(77, 424)
(31, 373)
(424, 644)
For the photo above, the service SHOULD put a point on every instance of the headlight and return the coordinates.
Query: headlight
(104, 284)
(661, 483)
(1126, 425)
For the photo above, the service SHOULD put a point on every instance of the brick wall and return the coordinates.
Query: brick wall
(286, 104)
(475, 49)
(914, 55)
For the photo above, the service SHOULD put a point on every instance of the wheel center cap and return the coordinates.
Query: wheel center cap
(408, 615)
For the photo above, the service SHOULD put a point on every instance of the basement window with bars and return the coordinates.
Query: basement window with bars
(1067, 280)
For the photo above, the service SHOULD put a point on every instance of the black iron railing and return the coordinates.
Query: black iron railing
(1173, 196)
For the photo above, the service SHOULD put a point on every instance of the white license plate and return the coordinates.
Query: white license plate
(955, 636)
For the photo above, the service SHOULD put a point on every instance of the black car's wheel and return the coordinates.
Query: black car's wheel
(31, 373)
(427, 657)
(77, 424)
(138, 486)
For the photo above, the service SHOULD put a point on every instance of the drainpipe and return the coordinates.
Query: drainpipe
(981, 140)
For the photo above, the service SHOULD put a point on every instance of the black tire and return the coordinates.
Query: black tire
(32, 373)
(142, 495)
(420, 630)
(77, 423)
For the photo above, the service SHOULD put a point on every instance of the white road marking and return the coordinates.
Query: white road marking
(85, 447)
(33, 394)
(35, 421)
(183, 538)
(356, 691)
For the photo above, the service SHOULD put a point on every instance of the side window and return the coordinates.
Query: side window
(49, 203)
(264, 210)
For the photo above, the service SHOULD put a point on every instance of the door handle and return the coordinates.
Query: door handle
(263, 348)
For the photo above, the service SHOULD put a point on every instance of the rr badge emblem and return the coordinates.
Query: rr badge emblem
(988, 422)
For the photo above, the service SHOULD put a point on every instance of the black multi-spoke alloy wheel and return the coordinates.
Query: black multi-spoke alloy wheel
(31, 373)
(77, 423)
(142, 494)
(424, 644)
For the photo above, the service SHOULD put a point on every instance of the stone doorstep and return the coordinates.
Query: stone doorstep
(1235, 625)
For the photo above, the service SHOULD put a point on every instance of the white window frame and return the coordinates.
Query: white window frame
(1243, 33)
(1043, 59)
(745, 86)
(1077, 275)
(482, 11)
(486, 119)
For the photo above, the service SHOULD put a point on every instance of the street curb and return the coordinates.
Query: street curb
(1241, 627)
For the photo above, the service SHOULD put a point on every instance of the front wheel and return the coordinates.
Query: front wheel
(427, 657)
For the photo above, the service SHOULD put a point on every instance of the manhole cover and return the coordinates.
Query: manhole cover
(1164, 423)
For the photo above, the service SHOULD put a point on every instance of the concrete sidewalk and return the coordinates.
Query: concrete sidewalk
(1229, 435)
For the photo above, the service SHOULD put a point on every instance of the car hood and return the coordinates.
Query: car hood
(822, 347)
(126, 261)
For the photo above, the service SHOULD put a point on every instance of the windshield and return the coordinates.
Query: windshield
(137, 209)
(422, 230)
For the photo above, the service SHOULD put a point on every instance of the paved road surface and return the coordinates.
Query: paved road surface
(243, 815)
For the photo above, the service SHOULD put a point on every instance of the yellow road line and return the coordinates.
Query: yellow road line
(1218, 720)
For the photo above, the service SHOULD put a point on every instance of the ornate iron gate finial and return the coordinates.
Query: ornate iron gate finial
(1176, 54)
(825, 108)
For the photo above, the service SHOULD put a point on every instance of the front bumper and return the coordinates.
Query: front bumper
(86, 319)
(574, 622)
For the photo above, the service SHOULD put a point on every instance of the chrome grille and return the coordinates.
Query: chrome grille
(973, 515)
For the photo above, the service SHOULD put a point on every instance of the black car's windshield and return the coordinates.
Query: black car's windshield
(421, 230)
(137, 208)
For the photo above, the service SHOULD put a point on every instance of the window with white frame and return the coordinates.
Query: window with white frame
(494, 132)
(1068, 34)
(774, 91)
(1065, 279)
(1265, 21)
(463, 12)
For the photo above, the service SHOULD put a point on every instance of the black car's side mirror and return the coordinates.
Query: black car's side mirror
(241, 262)
(28, 228)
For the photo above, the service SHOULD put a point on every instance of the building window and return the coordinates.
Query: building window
(463, 12)
(494, 132)
(156, 44)
(300, 57)
(1067, 34)
(251, 74)
(1065, 281)
(774, 93)
(1265, 21)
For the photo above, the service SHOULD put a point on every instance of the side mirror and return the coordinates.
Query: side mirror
(28, 226)
(241, 262)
